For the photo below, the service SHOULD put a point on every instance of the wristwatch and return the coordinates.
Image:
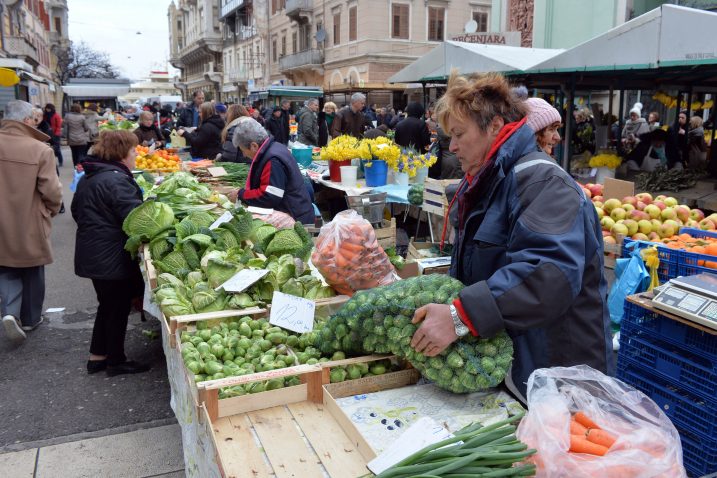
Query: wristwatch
(461, 329)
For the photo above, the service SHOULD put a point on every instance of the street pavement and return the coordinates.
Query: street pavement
(49, 402)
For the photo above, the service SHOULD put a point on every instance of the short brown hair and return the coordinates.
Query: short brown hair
(146, 115)
(76, 108)
(233, 112)
(207, 110)
(114, 145)
(480, 98)
(695, 122)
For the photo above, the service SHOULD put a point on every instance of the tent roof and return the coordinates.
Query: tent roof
(470, 58)
(95, 91)
(659, 38)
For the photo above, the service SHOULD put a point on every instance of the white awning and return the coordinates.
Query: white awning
(14, 64)
(95, 91)
(29, 76)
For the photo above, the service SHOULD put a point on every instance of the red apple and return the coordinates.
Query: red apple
(661, 197)
(598, 198)
(683, 213)
(587, 192)
(639, 237)
(641, 205)
(644, 197)
(713, 217)
(697, 215)
(692, 223)
(707, 225)
(609, 239)
(667, 230)
(630, 200)
(653, 236)
(668, 213)
(660, 204)
(656, 223)
(628, 207)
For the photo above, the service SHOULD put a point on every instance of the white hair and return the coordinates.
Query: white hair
(312, 101)
(248, 131)
(358, 97)
(18, 110)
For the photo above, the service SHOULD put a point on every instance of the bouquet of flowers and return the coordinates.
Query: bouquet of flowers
(383, 149)
(344, 148)
(412, 160)
(605, 160)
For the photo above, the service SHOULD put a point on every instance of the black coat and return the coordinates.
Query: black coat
(206, 140)
(413, 132)
(105, 196)
(275, 127)
(230, 152)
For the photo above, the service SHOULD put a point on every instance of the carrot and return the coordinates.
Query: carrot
(579, 444)
(342, 261)
(577, 429)
(583, 419)
(352, 246)
(600, 437)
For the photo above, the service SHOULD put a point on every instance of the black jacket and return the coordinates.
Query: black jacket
(206, 140)
(105, 196)
(275, 127)
(413, 132)
(185, 116)
(230, 152)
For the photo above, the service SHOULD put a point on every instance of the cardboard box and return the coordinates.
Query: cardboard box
(617, 189)
(426, 265)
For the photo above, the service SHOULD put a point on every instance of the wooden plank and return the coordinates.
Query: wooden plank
(259, 401)
(255, 377)
(221, 314)
(372, 383)
(354, 360)
(355, 437)
(209, 399)
(238, 455)
(336, 452)
(288, 454)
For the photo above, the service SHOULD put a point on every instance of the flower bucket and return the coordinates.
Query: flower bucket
(400, 178)
(602, 173)
(421, 175)
(376, 173)
(335, 169)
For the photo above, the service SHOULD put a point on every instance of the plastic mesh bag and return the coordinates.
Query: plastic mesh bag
(349, 256)
(647, 443)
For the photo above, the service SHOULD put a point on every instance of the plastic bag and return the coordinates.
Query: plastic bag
(278, 219)
(349, 257)
(647, 443)
(77, 175)
(631, 277)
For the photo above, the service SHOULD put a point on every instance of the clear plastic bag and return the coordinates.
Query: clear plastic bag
(278, 219)
(349, 256)
(647, 443)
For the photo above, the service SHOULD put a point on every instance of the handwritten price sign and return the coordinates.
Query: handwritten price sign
(292, 313)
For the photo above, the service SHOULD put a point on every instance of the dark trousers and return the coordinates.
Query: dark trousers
(115, 301)
(55, 142)
(79, 153)
(22, 292)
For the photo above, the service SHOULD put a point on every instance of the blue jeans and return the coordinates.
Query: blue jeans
(22, 293)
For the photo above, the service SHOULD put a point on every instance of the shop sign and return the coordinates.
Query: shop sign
(489, 38)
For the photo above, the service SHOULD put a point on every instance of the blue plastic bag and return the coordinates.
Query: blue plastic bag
(631, 277)
(76, 179)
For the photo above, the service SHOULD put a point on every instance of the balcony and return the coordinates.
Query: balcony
(299, 10)
(230, 6)
(19, 46)
(237, 75)
(307, 59)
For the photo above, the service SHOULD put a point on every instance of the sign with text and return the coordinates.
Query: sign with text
(489, 38)
(217, 171)
(226, 217)
(292, 313)
(243, 279)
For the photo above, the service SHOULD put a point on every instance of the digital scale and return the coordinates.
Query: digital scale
(693, 298)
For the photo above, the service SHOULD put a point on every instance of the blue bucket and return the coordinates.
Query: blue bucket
(376, 173)
(302, 156)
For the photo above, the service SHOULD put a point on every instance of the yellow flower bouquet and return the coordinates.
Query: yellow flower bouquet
(411, 161)
(605, 160)
(344, 148)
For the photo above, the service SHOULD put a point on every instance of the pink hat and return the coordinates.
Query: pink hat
(541, 114)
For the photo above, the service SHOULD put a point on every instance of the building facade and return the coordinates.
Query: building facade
(159, 83)
(31, 31)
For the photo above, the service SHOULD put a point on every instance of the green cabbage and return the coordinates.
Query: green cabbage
(293, 287)
(148, 219)
(220, 271)
(174, 263)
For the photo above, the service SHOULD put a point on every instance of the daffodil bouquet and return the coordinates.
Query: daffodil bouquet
(344, 148)
(605, 160)
(411, 161)
(381, 149)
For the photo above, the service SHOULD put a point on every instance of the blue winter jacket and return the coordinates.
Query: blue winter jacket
(529, 249)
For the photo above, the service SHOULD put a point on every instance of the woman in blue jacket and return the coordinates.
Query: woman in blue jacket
(528, 245)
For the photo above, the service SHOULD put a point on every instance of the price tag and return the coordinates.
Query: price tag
(217, 171)
(292, 313)
(243, 279)
(593, 172)
(260, 210)
(226, 217)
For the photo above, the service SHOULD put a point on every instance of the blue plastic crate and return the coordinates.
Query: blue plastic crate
(689, 338)
(696, 374)
(668, 257)
(687, 411)
(699, 453)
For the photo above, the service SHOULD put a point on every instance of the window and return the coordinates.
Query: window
(337, 28)
(436, 22)
(283, 45)
(273, 50)
(58, 25)
(481, 18)
(352, 23)
(294, 42)
(399, 21)
(277, 6)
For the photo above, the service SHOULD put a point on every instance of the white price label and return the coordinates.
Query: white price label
(217, 172)
(292, 313)
(243, 279)
(226, 217)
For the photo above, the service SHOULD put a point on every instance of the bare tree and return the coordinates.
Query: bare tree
(79, 60)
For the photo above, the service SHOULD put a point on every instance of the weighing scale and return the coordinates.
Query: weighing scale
(693, 298)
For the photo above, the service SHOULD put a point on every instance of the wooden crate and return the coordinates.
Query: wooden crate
(301, 439)
(414, 255)
(435, 200)
(386, 234)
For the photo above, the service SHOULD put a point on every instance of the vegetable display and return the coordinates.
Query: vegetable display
(237, 173)
(415, 194)
(379, 321)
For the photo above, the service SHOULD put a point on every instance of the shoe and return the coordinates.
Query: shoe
(94, 366)
(130, 366)
(13, 329)
(30, 328)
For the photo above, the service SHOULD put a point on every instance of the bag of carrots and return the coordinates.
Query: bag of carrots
(349, 257)
(586, 424)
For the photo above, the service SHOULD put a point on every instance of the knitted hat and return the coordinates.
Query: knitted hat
(637, 108)
(220, 107)
(541, 114)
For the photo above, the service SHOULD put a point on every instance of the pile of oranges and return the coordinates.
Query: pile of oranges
(160, 160)
(698, 245)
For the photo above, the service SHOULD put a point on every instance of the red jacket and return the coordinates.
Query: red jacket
(56, 124)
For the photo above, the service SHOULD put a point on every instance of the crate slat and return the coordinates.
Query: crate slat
(235, 445)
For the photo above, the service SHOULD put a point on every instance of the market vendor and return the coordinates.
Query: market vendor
(528, 248)
(275, 180)
(655, 149)
(148, 133)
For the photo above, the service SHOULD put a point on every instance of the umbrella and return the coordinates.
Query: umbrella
(8, 77)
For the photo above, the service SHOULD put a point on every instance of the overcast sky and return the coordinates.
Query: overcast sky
(112, 26)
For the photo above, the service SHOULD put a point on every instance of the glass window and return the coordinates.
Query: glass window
(352, 23)
(337, 28)
(399, 21)
(436, 22)
(481, 18)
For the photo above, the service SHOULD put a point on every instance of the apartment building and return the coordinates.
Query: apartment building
(196, 46)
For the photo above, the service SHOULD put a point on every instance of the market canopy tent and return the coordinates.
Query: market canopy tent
(469, 58)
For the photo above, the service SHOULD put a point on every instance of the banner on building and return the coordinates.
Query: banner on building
(489, 38)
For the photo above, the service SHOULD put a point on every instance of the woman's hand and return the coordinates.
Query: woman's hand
(233, 195)
(437, 331)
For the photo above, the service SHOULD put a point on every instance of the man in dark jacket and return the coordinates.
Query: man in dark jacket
(350, 119)
(275, 126)
(275, 180)
(413, 132)
(308, 129)
(285, 120)
(189, 116)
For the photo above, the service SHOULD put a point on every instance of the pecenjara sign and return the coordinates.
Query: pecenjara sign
(489, 38)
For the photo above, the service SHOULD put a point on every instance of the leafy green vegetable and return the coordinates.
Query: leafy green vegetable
(285, 241)
(145, 222)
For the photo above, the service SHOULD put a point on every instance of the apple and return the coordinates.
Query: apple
(656, 223)
(607, 222)
(644, 226)
(600, 212)
(676, 224)
(644, 197)
(618, 214)
(670, 202)
(653, 236)
(683, 213)
(631, 225)
(637, 215)
(630, 200)
(713, 217)
(641, 205)
(606, 233)
(595, 189)
(692, 223)
(697, 215)
(611, 204)
(661, 197)
(640, 237)
(707, 225)
(598, 198)
(628, 207)
(668, 213)
(609, 239)
(667, 230)
(619, 229)
(587, 192)
(653, 211)
(659, 204)
(598, 204)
